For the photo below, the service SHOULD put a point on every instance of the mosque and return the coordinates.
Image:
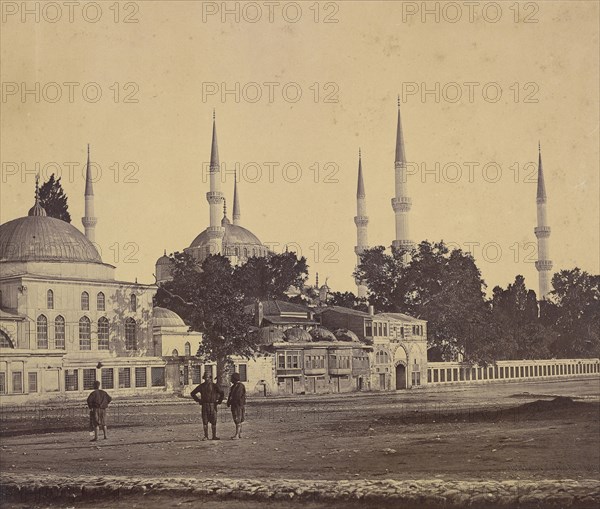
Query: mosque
(66, 321)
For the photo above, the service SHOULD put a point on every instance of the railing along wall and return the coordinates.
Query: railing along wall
(503, 371)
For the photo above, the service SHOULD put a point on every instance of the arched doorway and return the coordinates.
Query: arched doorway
(400, 376)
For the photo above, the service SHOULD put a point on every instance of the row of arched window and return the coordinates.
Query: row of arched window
(85, 301)
(85, 333)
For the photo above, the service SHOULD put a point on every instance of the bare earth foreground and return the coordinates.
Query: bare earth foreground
(534, 444)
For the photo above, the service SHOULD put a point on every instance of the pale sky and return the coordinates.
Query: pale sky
(350, 74)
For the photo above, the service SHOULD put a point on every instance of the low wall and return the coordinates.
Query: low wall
(446, 373)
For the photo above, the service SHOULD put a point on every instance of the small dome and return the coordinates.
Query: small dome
(37, 210)
(164, 259)
(40, 238)
(346, 335)
(270, 335)
(163, 317)
(321, 334)
(297, 335)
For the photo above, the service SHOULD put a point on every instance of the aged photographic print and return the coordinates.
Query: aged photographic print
(299, 254)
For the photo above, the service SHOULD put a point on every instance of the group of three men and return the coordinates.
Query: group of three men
(208, 394)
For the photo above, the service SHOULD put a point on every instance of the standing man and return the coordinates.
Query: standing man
(97, 402)
(211, 395)
(237, 401)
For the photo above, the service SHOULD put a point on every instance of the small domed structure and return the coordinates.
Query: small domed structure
(269, 335)
(163, 317)
(346, 335)
(321, 334)
(297, 335)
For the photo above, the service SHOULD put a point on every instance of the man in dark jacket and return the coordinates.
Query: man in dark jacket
(211, 395)
(97, 402)
(237, 401)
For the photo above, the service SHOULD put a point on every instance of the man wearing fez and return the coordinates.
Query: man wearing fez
(237, 401)
(97, 402)
(211, 395)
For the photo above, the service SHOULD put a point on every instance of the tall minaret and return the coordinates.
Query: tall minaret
(361, 220)
(236, 203)
(215, 197)
(89, 220)
(401, 203)
(542, 232)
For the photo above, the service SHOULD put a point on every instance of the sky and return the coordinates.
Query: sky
(297, 88)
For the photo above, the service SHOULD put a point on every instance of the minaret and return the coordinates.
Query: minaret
(542, 232)
(89, 220)
(236, 203)
(361, 220)
(215, 197)
(401, 203)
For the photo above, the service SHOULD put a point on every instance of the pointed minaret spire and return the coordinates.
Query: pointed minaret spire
(236, 203)
(215, 197)
(542, 232)
(399, 139)
(541, 185)
(361, 220)
(37, 209)
(401, 203)
(89, 221)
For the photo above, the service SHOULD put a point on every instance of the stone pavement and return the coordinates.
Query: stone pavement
(377, 493)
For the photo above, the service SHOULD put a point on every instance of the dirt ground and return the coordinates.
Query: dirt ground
(536, 430)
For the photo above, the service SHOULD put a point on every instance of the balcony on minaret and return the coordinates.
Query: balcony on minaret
(401, 204)
(214, 197)
(403, 244)
(361, 220)
(89, 221)
(543, 265)
(215, 232)
(542, 231)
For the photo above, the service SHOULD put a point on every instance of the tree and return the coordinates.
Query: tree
(208, 298)
(269, 277)
(54, 199)
(347, 300)
(435, 284)
(519, 332)
(574, 313)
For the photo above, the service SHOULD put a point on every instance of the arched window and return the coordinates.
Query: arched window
(133, 303)
(85, 301)
(245, 252)
(59, 332)
(5, 341)
(103, 331)
(175, 353)
(85, 333)
(130, 334)
(42, 332)
(188, 349)
(100, 302)
(50, 299)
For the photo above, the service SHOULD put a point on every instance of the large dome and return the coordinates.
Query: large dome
(39, 238)
(234, 234)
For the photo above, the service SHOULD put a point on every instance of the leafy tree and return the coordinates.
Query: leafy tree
(269, 277)
(347, 300)
(433, 283)
(574, 313)
(54, 199)
(519, 333)
(209, 299)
